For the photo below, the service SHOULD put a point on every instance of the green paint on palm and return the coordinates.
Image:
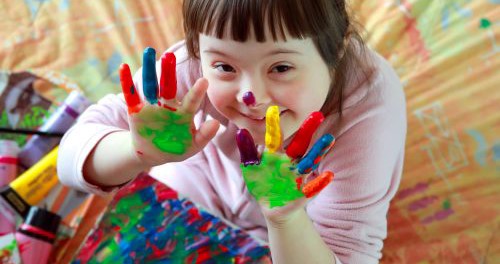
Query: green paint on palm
(168, 131)
(273, 180)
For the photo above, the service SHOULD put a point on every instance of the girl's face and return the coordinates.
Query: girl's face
(291, 75)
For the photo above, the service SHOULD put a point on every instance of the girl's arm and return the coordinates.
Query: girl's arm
(124, 164)
(295, 240)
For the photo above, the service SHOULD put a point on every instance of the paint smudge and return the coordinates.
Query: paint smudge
(484, 23)
(148, 222)
(169, 131)
(441, 215)
(418, 188)
(438, 216)
(422, 203)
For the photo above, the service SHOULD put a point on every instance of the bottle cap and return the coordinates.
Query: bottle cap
(43, 219)
(77, 102)
(9, 148)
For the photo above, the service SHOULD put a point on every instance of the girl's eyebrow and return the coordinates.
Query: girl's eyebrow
(217, 52)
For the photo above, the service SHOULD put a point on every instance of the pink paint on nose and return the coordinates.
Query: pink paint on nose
(248, 98)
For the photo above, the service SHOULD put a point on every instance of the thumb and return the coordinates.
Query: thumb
(205, 133)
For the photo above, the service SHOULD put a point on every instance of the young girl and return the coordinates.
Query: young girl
(239, 58)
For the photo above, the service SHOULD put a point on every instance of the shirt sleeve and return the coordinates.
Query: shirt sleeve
(367, 160)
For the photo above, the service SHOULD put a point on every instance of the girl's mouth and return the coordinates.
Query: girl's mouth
(261, 118)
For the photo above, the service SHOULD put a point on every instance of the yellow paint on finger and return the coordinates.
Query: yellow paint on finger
(273, 131)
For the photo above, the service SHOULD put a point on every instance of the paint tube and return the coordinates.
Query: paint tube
(59, 122)
(36, 236)
(8, 172)
(32, 186)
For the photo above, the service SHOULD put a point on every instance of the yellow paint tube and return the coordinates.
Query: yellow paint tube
(33, 185)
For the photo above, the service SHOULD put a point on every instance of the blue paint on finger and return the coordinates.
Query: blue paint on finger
(313, 157)
(149, 79)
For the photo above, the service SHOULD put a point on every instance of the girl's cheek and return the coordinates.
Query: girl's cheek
(218, 93)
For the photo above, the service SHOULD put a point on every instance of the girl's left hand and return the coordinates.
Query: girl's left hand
(280, 182)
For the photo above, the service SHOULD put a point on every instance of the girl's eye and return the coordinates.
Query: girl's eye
(281, 68)
(223, 68)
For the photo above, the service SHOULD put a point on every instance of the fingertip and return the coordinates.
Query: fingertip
(315, 186)
(129, 92)
(201, 83)
(149, 79)
(212, 126)
(168, 79)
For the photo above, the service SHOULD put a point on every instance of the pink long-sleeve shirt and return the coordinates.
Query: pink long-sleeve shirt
(349, 214)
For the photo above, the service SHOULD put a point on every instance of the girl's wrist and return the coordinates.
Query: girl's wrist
(283, 221)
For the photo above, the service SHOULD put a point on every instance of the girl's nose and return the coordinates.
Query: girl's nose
(253, 95)
(249, 99)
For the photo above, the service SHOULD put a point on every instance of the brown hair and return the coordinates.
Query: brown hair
(326, 22)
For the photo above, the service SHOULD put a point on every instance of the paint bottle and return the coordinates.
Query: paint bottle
(59, 122)
(32, 186)
(8, 172)
(36, 236)
(8, 161)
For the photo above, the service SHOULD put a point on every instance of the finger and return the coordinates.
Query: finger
(168, 80)
(273, 130)
(302, 138)
(317, 152)
(192, 100)
(205, 133)
(149, 80)
(315, 186)
(247, 148)
(128, 88)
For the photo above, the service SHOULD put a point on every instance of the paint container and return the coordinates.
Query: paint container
(36, 236)
(8, 172)
(8, 161)
(59, 122)
(32, 186)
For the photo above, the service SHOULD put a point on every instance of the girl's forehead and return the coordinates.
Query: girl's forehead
(252, 47)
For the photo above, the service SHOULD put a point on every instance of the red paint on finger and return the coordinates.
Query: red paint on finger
(302, 138)
(315, 186)
(131, 96)
(168, 79)
(299, 183)
(169, 108)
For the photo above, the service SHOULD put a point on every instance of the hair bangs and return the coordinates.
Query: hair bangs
(279, 18)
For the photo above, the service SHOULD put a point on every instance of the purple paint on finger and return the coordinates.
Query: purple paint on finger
(249, 99)
(246, 145)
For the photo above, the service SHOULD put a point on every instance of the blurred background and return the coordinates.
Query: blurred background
(446, 52)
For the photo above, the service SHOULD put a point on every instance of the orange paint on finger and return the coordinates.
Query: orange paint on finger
(315, 186)
(130, 93)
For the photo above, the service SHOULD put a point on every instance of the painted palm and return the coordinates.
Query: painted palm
(160, 125)
(278, 179)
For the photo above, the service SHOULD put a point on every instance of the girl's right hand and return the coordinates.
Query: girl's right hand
(161, 127)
